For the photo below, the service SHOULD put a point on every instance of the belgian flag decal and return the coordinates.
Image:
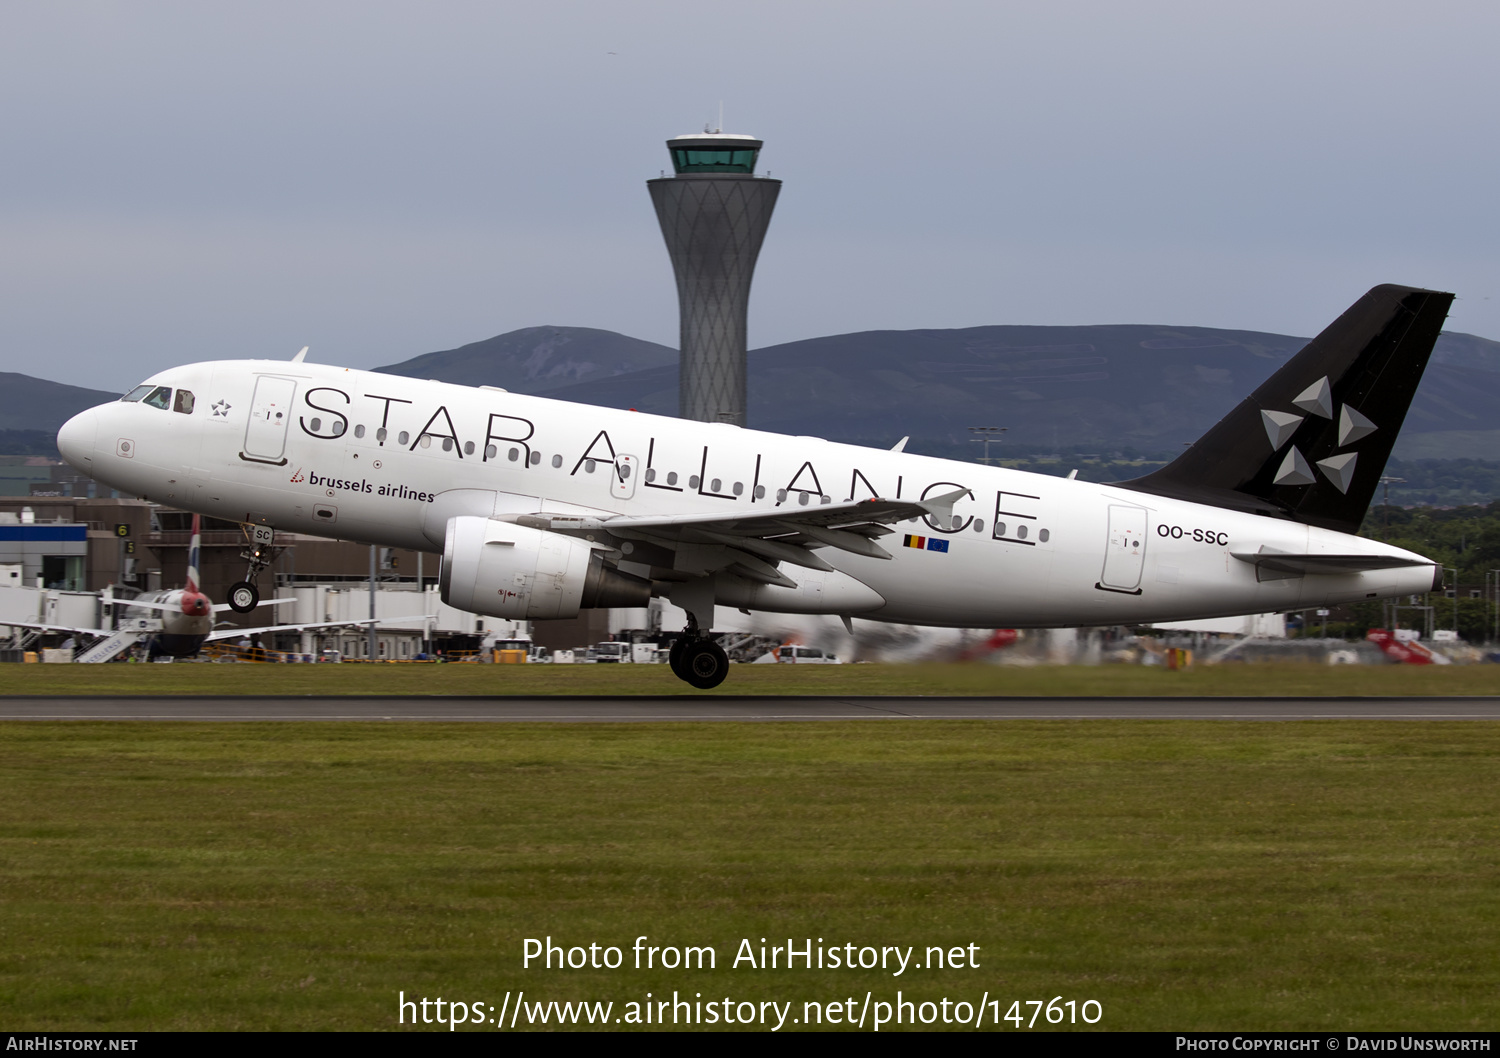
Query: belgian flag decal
(926, 543)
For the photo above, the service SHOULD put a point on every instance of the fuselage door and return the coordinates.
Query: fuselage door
(622, 481)
(270, 415)
(1125, 554)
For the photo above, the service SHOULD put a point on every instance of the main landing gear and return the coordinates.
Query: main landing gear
(259, 553)
(698, 660)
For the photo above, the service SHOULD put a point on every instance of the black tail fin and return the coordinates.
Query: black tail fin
(1311, 443)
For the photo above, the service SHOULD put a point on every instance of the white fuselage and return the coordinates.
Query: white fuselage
(384, 459)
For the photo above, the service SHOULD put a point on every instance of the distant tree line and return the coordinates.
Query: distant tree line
(29, 443)
(1466, 538)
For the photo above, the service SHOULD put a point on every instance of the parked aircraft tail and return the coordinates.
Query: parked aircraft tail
(1311, 443)
(195, 552)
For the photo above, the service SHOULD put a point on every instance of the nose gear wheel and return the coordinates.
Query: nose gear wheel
(243, 597)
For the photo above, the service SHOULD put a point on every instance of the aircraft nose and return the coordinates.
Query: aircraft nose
(76, 439)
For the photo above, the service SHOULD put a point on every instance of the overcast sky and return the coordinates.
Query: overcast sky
(191, 181)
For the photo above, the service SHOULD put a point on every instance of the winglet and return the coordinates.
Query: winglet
(298, 358)
(941, 507)
(900, 446)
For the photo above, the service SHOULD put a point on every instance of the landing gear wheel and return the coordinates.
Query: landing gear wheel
(704, 664)
(243, 597)
(674, 657)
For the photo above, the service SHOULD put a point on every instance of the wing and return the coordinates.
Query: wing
(236, 633)
(752, 545)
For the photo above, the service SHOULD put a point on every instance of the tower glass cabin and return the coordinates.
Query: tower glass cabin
(714, 212)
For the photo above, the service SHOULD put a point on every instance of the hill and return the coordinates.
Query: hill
(1150, 388)
(28, 403)
(539, 359)
(1143, 388)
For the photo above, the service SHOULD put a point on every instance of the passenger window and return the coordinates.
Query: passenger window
(136, 394)
(160, 397)
(184, 402)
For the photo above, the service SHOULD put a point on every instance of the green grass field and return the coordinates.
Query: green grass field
(1186, 875)
(933, 679)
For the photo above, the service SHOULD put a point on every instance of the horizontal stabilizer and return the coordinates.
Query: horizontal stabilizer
(177, 606)
(1282, 562)
(221, 607)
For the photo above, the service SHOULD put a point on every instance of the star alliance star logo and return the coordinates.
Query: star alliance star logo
(221, 409)
(1316, 399)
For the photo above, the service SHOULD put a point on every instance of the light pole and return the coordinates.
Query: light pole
(1454, 585)
(1388, 482)
(374, 640)
(987, 435)
(1493, 578)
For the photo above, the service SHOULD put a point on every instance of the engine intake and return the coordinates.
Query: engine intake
(508, 570)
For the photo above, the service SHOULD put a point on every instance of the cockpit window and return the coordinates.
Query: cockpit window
(137, 393)
(184, 402)
(160, 397)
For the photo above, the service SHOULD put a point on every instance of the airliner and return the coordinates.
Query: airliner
(542, 507)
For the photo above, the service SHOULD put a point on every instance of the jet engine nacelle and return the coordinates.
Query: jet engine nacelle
(508, 570)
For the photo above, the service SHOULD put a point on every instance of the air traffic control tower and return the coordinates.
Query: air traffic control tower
(714, 213)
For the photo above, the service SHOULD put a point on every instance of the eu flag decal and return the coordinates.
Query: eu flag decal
(925, 543)
(937, 545)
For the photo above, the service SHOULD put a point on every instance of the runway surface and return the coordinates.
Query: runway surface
(689, 708)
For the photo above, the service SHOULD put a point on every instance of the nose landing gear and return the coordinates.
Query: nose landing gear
(260, 551)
